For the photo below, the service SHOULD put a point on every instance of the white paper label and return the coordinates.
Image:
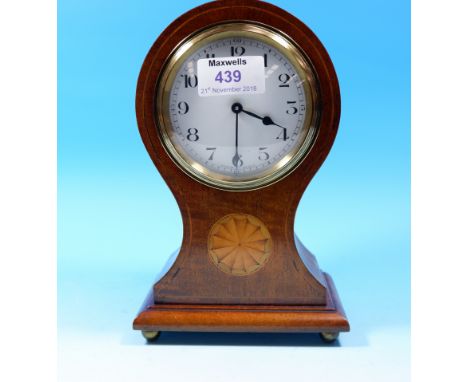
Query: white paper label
(231, 75)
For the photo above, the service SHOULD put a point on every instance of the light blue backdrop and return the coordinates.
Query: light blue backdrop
(118, 222)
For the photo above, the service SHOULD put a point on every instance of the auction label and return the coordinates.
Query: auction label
(231, 75)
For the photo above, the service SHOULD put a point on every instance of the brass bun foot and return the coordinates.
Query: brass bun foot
(329, 337)
(150, 336)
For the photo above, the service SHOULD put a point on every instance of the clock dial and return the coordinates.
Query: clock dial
(240, 140)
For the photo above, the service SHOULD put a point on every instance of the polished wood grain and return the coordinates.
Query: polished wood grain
(291, 276)
(244, 318)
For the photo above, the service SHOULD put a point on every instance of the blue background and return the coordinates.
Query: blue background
(118, 222)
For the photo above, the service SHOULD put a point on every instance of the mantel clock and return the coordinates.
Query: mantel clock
(238, 105)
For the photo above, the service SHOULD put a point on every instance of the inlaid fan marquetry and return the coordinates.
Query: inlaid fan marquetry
(239, 244)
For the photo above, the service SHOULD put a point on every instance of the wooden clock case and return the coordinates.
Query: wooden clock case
(289, 293)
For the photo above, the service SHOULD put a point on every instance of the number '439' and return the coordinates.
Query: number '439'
(228, 76)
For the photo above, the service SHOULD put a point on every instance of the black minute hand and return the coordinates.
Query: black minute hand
(236, 161)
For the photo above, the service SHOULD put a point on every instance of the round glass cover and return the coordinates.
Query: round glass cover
(224, 124)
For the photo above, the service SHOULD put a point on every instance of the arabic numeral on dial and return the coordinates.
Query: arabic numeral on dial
(190, 81)
(292, 109)
(212, 149)
(283, 135)
(183, 107)
(265, 60)
(263, 155)
(237, 51)
(192, 134)
(208, 54)
(284, 79)
(237, 161)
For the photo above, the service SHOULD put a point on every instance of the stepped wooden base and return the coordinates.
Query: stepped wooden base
(329, 318)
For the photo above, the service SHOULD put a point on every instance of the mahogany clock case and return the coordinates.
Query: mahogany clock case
(290, 292)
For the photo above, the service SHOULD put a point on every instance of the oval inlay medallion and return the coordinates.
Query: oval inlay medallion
(239, 244)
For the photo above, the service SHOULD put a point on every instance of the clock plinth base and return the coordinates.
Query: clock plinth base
(329, 318)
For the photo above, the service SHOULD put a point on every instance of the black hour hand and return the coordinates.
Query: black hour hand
(252, 114)
(265, 120)
(268, 121)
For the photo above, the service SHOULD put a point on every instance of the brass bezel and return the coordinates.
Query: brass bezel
(285, 46)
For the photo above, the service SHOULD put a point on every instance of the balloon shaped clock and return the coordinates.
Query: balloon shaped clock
(238, 105)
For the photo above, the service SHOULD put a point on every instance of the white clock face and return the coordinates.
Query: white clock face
(239, 137)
